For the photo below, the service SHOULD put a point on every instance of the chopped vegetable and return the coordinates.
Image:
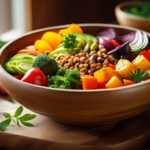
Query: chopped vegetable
(128, 82)
(102, 85)
(43, 46)
(46, 64)
(35, 76)
(19, 63)
(124, 67)
(114, 43)
(31, 52)
(146, 54)
(64, 32)
(129, 37)
(123, 49)
(114, 82)
(62, 71)
(75, 28)
(73, 76)
(18, 76)
(71, 79)
(141, 62)
(105, 74)
(139, 75)
(59, 82)
(113, 66)
(139, 43)
(89, 82)
(54, 39)
(108, 34)
(106, 43)
(69, 46)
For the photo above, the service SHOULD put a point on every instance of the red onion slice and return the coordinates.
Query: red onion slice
(127, 37)
(106, 43)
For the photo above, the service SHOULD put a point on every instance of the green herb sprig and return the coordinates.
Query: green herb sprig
(16, 118)
(139, 75)
(69, 41)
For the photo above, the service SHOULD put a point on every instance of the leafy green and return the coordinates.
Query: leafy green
(18, 111)
(69, 41)
(16, 119)
(7, 115)
(139, 75)
(4, 124)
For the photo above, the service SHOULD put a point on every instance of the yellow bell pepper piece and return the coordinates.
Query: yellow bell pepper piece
(42, 46)
(141, 62)
(54, 39)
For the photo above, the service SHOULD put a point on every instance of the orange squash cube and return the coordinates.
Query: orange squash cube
(114, 82)
(105, 74)
(89, 82)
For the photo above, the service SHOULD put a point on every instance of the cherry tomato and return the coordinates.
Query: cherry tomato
(18, 76)
(35, 76)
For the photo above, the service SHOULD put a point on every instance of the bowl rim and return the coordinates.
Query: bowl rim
(72, 90)
(131, 16)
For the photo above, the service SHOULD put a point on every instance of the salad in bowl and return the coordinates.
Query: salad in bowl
(86, 74)
(72, 59)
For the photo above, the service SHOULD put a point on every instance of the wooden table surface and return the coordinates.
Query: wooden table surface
(133, 133)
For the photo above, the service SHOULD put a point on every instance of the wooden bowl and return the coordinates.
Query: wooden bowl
(130, 20)
(76, 107)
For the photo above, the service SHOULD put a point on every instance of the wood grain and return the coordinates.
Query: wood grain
(133, 133)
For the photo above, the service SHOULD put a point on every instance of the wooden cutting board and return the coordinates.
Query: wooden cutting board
(130, 134)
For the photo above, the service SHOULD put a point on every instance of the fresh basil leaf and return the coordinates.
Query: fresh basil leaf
(18, 123)
(18, 111)
(7, 115)
(27, 124)
(14, 120)
(4, 124)
(27, 117)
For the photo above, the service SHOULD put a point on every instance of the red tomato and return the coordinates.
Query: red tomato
(113, 66)
(114, 43)
(102, 85)
(18, 76)
(35, 76)
(146, 54)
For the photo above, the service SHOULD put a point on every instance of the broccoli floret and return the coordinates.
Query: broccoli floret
(65, 79)
(46, 64)
(62, 71)
(59, 82)
(73, 76)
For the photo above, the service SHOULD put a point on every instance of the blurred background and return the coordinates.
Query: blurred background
(20, 16)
